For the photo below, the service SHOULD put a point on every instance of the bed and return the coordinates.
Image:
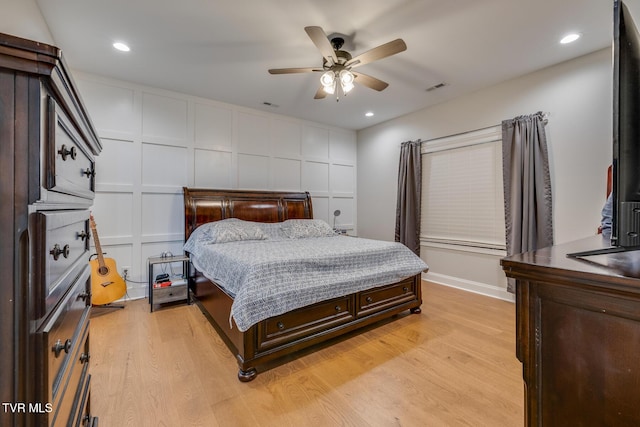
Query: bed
(264, 340)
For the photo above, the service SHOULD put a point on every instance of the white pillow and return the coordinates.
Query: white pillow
(223, 231)
(303, 228)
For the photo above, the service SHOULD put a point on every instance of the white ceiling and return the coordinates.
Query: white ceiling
(222, 49)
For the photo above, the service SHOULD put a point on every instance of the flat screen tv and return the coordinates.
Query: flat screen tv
(625, 230)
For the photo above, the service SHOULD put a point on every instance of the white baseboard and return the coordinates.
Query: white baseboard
(469, 285)
(134, 292)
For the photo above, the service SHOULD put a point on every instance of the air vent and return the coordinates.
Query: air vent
(434, 87)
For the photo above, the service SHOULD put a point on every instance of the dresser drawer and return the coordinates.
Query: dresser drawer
(68, 405)
(378, 299)
(60, 252)
(83, 417)
(69, 169)
(289, 326)
(62, 337)
(169, 294)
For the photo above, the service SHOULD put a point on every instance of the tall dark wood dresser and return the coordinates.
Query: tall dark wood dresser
(47, 179)
(578, 334)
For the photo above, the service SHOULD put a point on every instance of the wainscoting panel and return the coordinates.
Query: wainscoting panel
(343, 179)
(285, 174)
(113, 213)
(112, 108)
(157, 141)
(164, 165)
(321, 208)
(213, 168)
(315, 177)
(163, 214)
(342, 146)
(315, 142)
(164, 119)
(253, 172)
(213, 126)
(121, 163)
(253, 134)
(286, 139)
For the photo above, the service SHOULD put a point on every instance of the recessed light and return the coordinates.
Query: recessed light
(121, 47)
(369, 114)
(569, 38)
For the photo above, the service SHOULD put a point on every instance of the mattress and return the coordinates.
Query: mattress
(276, 274)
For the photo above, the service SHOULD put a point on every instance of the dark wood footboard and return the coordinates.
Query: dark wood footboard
(272, 339)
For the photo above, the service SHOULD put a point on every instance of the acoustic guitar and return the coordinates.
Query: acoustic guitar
(106, 284)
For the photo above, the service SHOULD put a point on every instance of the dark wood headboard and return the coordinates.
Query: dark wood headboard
(202, 205)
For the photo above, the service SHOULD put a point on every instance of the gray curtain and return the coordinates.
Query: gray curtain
(527, 186)
(409, 192)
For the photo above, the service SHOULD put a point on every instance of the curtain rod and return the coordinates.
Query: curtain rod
(545, 115)
(461, 133)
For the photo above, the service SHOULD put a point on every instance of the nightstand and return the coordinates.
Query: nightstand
(174, 292)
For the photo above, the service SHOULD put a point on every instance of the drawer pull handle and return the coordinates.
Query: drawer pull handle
(58, 347)
(65, 152)
(405, 289)
(338, 308)
(84, 357)
(280, 325)
(56, 251)
(84, 296)
(90, 173)
(83, 235)
(369, 299)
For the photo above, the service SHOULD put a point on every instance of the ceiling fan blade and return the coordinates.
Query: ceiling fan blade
(319, 38)
(382, 51)
(320, 94)
(370, 82)
(293, 70)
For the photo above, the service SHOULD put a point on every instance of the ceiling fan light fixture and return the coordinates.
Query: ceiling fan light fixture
(330, 89)
(346, 80)
(328, 78)
(337, 64)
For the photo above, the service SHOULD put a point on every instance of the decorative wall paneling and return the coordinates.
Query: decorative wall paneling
(156, 141)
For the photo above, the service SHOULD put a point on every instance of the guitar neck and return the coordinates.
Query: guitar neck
(96, 242)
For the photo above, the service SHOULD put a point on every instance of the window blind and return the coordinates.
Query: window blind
(462, 194)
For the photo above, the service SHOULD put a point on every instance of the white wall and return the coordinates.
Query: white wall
(577, 96)
(22, 18)
(156, 141)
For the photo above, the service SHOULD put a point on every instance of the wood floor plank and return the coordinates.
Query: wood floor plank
(452, 365)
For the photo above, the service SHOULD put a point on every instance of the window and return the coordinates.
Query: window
(462, 194)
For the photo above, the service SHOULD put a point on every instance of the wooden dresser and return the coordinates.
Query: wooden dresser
(47, 150)
(578, 335)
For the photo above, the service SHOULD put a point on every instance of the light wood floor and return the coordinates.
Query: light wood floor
(452, 365)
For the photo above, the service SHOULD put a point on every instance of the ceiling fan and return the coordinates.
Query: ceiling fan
(337, 65)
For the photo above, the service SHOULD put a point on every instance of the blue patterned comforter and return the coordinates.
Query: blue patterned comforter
(273, 276)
